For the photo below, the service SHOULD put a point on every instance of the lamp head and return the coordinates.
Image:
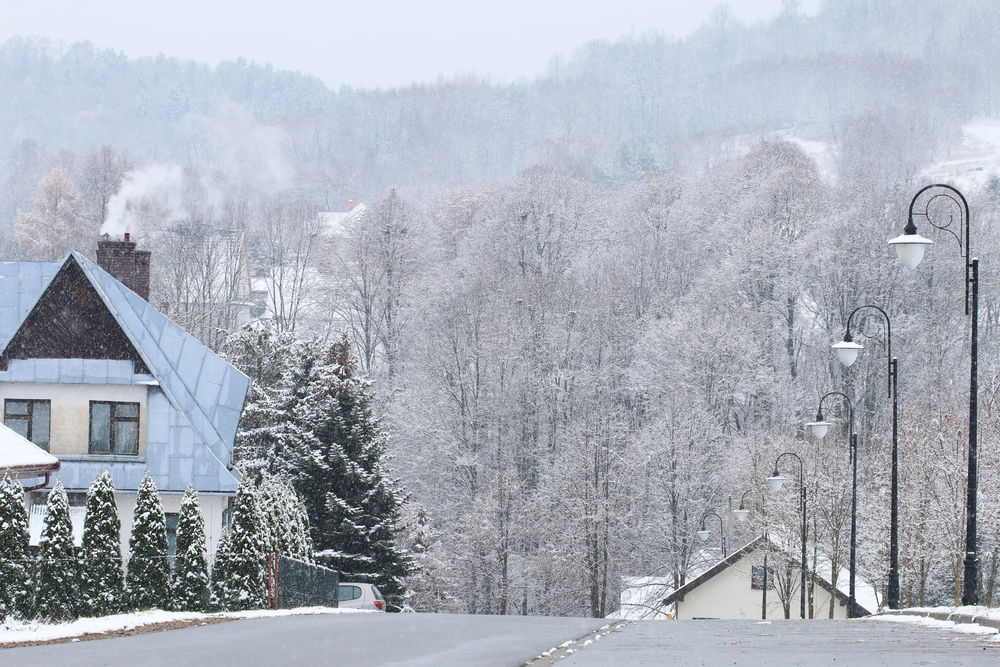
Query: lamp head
(776, 480)
(847, 351)
(910, 246)
(703, 534)
(741, 514)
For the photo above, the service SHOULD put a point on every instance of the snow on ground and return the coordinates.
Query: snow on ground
(17, 631)
(971, 163)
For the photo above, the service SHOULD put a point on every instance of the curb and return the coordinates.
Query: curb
(954, 617)
(568, 648)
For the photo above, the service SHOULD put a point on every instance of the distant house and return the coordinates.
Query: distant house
(734, 589)
(93, 374)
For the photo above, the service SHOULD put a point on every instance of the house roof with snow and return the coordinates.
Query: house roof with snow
(205, 389)
(733, 558)
(22, 458)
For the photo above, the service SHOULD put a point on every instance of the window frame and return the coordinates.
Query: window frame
(113, 420)
(29, 417)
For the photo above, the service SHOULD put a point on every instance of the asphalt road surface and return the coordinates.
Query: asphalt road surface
(413, 640)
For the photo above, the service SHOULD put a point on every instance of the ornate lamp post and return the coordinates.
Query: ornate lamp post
(847, 352)
(910, 249)
(819, 429)
(704, 534)
(776, 480)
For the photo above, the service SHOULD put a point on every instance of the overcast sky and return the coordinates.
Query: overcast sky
(366, 43)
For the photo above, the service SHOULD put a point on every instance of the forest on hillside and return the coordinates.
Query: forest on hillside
(595, 306)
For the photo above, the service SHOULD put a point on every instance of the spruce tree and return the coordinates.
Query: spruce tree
(219, 585)
(339, 470)
(101, 573)
(15, 565)
(56, 596)
(189, 591)
(247, 565)
(148, 579)
(263, 353)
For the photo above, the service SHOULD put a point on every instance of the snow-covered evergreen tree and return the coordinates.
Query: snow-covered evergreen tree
(102, 576)
(56, 595)
(286, 525)
(148, 579)
(15, 566)
(219, 581)
(263, 352)
(247, 565)
(339, 461)
(189, 590)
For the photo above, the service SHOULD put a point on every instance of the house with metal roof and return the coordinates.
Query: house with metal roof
(97, 377)
(744, 585)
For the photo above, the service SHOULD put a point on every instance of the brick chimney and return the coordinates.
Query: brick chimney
(124, 262)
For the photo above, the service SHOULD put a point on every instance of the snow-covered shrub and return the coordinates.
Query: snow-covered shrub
(247, 564)
(56, 597)
(148, 579)
(219, 585)
(189, 588)
(16, 591)
(101, 574)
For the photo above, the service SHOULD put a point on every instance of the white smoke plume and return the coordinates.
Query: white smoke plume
(161, 184)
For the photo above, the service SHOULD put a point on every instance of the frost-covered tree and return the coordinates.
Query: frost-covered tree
(189, 590)
(56, 595)
(102, 576)
(15, 566)
(247, 564)
(148, 577)
(340, 472)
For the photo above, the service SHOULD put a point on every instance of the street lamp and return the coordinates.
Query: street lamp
(776, 481)
(910, 249)
(704, 534)
(847, 352)
(819, 429)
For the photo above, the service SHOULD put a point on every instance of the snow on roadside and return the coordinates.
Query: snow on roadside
(964, 628)
(17, 631)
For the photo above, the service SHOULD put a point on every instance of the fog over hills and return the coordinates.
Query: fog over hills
(886, 84)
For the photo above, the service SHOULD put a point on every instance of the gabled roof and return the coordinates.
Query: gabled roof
(207, 390)
(733, 558)
(22, 458)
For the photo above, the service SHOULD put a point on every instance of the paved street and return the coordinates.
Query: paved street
(417, 640)
(859, 643)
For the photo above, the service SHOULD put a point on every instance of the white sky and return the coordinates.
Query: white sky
(366, 43)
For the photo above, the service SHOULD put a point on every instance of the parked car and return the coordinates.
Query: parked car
(361, 596)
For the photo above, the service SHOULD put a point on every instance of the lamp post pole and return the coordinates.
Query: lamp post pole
(910, 249)
(847, 352)
(776, 479)
(819, 429)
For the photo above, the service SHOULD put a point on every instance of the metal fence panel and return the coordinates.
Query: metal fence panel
(293, 583)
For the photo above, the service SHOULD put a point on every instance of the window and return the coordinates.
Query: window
(29, 419)
(114, 428)
(757, 580)
(171, 520)
(348, 593)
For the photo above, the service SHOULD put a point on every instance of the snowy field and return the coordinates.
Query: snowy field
(15, 632)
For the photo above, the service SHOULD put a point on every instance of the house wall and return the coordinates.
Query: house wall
(729, 595)
(212, 508)
(70, 411)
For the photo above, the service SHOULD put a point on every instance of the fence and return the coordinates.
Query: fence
(294, 583)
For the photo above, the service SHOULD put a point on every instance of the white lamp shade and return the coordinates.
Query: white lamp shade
(818, 429)
(910, 249)
(776, 482)
(703, 535)
(741, 515)
(848, 352)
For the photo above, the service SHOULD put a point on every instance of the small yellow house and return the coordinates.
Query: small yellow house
(734, 589)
